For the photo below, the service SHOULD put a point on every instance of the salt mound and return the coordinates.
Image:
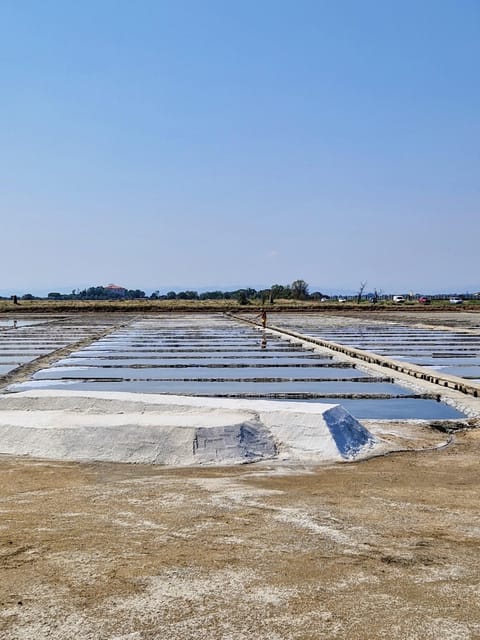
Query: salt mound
(175, 430)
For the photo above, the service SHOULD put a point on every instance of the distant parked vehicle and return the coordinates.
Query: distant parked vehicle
(456, 301)
(398, 299)
(424, 300)
(342, 299)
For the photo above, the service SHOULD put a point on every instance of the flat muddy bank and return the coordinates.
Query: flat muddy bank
(386, 548)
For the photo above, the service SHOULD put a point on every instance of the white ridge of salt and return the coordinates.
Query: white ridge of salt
(175, 430)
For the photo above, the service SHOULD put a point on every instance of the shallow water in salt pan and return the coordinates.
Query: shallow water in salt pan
(216, 356)
(434, 348)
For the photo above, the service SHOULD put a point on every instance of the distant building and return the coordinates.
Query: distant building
(116, 290)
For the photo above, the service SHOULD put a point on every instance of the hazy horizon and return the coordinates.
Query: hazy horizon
(330, 291)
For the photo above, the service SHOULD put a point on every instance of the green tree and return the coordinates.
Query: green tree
(242, 297)
(299, 290)
(212, 295)
(187, 295)
(134, 294)
(280, 291)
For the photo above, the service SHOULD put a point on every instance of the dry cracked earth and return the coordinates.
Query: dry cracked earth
(385, 548)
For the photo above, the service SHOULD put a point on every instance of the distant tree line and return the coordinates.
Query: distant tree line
(97, 293)
(297, 290)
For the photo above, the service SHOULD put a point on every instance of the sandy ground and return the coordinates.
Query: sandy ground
(386, 548)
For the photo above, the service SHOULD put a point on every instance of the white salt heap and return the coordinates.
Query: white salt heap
(176, 430)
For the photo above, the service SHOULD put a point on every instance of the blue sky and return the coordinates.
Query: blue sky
(192, 144)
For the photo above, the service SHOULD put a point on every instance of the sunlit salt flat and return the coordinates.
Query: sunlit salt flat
(209, 355)
(453, 353)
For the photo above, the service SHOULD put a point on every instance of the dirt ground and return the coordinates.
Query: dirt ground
(386, 548)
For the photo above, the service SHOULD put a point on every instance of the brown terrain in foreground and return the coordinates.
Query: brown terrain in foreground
(386, 548)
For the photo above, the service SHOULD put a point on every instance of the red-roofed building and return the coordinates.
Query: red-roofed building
(116, 290)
